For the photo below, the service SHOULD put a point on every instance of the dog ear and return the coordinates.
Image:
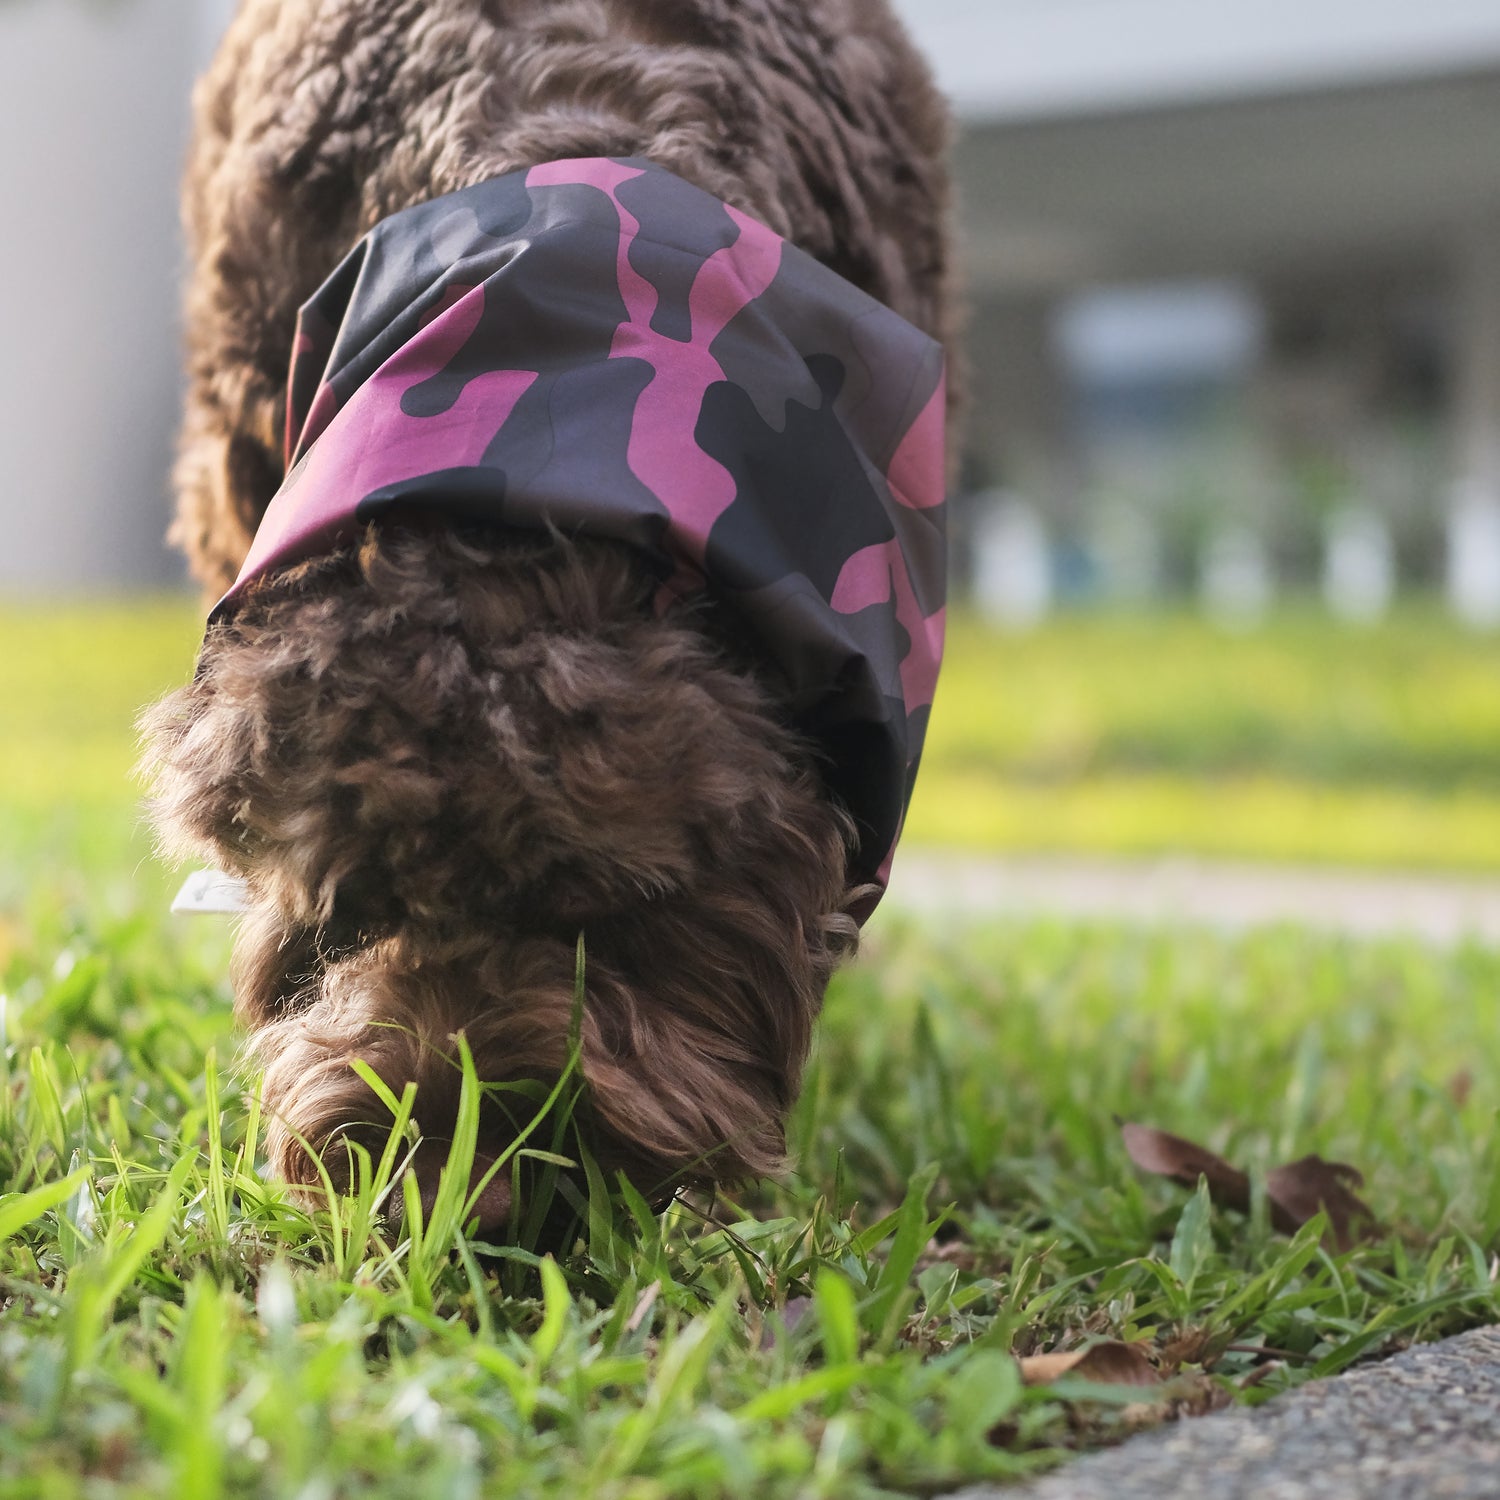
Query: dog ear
(277, 966)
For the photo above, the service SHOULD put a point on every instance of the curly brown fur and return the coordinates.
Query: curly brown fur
(437, 758)
(435, 763)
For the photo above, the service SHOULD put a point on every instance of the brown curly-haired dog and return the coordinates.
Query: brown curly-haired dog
(440, 753)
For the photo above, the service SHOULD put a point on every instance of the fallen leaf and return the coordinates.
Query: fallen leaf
(1110, 1363)
(1171, 1156)
(1299, 1190)
(1295, 1192)
(1192, 1346)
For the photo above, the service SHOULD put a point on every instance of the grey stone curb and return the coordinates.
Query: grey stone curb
(1424, 1425)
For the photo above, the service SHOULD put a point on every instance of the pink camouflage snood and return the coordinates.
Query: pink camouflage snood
(598, 346)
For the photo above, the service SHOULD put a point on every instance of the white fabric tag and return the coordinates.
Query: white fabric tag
(211, 891)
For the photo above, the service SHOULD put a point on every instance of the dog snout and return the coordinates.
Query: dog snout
(491, 1207)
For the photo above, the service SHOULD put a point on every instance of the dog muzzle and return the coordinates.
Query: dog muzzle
(599, 347)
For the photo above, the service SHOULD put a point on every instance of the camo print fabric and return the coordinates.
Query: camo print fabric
(599, 346)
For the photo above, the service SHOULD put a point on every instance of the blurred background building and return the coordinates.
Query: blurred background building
(1236, 281)
(1235, 272)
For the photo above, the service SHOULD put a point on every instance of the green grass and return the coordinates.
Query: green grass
(1143, 735)
(71, 683)
(171, 1324)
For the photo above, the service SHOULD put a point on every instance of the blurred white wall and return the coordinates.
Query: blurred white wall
(1022, 59)
(93, 112)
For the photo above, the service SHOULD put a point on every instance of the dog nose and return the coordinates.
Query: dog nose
(492, 1206)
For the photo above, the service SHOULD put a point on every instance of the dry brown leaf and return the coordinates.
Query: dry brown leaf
(1110, 1363)
(1192, 1346)
(1300, 1189)
(1296, 1192)
(1171, 1156)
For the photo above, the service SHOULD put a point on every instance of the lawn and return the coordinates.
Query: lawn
(171, 1324)
(1142, 735)
(1110, 734)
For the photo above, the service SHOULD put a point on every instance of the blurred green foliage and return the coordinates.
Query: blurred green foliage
(1143, 734)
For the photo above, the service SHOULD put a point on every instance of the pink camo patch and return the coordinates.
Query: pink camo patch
(302, 345)
(583, 171)
(918, 474)
(370, 442)
(663, 453)
(324, 408)
(452, 296)
(878, 575)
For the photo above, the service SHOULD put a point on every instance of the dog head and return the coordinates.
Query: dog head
(437, 761)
